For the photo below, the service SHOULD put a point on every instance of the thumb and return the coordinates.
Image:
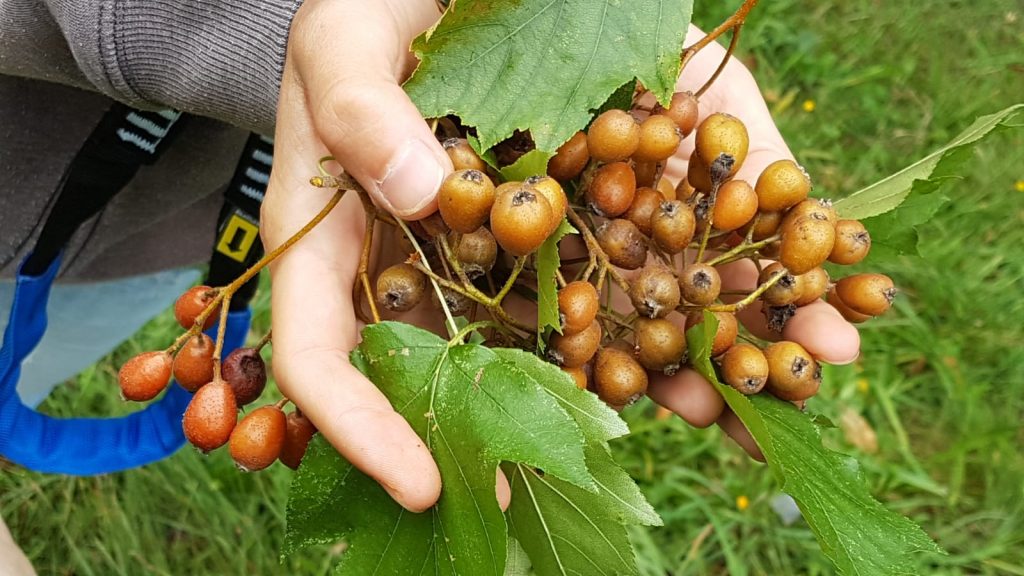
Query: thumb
(351, 69)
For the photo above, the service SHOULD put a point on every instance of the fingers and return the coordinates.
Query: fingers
(351, 58)
(731, 424)
(734, 92)
(314, 322)
(689, 395)
(503, 490)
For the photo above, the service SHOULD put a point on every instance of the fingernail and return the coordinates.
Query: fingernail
(411, 179)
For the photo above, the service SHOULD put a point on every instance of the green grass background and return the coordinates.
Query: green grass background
(941, 379)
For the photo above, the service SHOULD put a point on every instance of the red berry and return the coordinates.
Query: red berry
(210, 416)
(192, 303)
(257, 440)
(193, 364)
(246, 373)
(145, 375)
(298, 432)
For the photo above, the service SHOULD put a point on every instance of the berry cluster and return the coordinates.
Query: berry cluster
(220, 389)
(659, 243)
(631, 218)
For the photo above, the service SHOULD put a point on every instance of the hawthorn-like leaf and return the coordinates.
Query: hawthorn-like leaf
(563, 529)
(474, 409)
(854, 530)
(925, 175)
(544, 65)
(518, 563)
(548, 261)
(621, 99)
(596, 420)
(532, 163)
(566, 530)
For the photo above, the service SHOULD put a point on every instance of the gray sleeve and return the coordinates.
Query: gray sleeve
(216, 58)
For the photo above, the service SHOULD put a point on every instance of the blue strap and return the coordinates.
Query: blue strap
(82, 446)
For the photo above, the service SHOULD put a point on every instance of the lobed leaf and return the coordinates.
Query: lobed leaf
(544, 65)
(854, 530)
(566, 530)
(474, 409)
(548, 261)
(920, 177)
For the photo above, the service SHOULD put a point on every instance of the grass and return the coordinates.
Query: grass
(941, 380)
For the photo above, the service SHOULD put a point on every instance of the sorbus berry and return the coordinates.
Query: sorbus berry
(683, 110)
(257, 440)
(646, 202)
(477, 251)
(655, 291)
(612, 189)
(520, 219)
(246, 373)
(574, 350)
(725, 335)
(577, 306)
(722, 135)
(659, 139)
(673, 226)
(192, 303)
(619, 379)
(145, 375)
(745, 368)
(781, 185)
(700, 284)
(806, 244)
(570, 159)
(793, 374)
(465, 200)
(870, 294)
(852, 243)
(735, 205)
(552, 191)
(210, 416)
(623, 243)
(613, 136)
(193, 364)
(297, 434)
(462, 155)
(785, 290)
(813, 285)
(400, 287)
(659, 345)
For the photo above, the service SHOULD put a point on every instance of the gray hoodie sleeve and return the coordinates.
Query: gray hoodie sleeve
(217, 58)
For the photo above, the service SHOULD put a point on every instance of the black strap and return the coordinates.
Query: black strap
(124, 140)
(238, 243)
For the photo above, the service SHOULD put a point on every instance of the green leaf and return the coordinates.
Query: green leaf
(854, 530)
(518, 562)
(548, 261)
(596, 420)
(563, 528)
(566, 530)
(895, 233)
(474, 409)
(621, 99)
(533, 163)
(920, 177)
(543, 65)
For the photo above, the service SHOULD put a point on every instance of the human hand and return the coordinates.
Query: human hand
(12, 560)
(818, 327)
(341, 96)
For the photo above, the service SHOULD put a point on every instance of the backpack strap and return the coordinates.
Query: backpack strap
(124, 140)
